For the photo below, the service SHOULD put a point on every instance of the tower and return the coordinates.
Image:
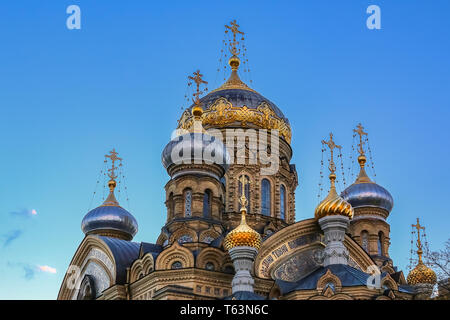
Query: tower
(333, 215)
(257, 136)
(372, 204)
(195, 162)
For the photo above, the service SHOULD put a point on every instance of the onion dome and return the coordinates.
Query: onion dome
(110, 219)
(195, 148)
(242, 235)
(235, 104)
(421, 274)
(366, 193)
(333, 204)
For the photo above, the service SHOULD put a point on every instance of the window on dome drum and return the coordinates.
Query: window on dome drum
(380, 243)
(209, 266)
(171, 205)
(207, 203)
(365, 240)
(177, 265)
(246, 191)
(188, 203)
(185, 238)
(265, 197)
(282, 202)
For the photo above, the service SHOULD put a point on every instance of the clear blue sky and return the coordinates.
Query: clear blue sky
(69, 96)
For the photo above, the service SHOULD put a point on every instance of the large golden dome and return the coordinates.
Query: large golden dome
(333, 204)
(421, 274)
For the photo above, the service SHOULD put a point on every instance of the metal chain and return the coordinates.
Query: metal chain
(371, 159)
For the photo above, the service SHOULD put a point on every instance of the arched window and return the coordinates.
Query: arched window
(265, 197)
(207, 203)
(380, 243)
(365, 240)
(247, 192)
(209, 266)
(282, 202)
(188, 203)
(171, 205)
(177, 265)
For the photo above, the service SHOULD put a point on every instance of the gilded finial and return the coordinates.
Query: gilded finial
(419, 243)
(243, 200)
(111, 199)
(360, 131)
(332, 167)
(362, 176)
(112, 171)
(243, 235)
(333, 204)
(197, 78)
(234, 28)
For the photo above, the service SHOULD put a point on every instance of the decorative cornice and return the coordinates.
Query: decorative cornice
(223, 113)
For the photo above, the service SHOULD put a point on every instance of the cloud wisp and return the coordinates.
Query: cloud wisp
(11, 236)
(31, 270)
(24, 213)
(47, 269)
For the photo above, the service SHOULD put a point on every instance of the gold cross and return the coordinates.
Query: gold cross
(332, 146)
(243, 199)
(234, 29)
(419, 243)
(198, 79)
(113, 156)
(360, 132)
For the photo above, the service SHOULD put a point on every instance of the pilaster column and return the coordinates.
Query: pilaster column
(243, 258)
(334, 228)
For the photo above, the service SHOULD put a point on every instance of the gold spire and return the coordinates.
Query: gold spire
(197, 77)
(234, 82)
(242, 235)
(421, 273)
(362, 176)
(111, 199)
(333, 204)
(418, 243)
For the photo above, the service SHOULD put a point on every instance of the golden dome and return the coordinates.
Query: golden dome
(242, 235)
(421, 274)
(333, 204)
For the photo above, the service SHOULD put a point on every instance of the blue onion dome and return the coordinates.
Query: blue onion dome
(110, 219)
(366, 193)
(195, 148)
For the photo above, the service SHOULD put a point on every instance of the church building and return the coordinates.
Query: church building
(231, 231)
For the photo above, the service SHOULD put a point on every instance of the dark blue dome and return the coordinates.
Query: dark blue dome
(109, 218)
(368, 194)
(202, 148)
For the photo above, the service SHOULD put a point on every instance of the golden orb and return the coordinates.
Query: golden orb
(234, 62)
(421, 274)
(197, 111)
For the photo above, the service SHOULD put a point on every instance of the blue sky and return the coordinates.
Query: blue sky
(69, 96)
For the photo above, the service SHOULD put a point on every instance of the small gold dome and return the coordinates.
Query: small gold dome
(242, 235)
(333, 204)
(421, 274)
